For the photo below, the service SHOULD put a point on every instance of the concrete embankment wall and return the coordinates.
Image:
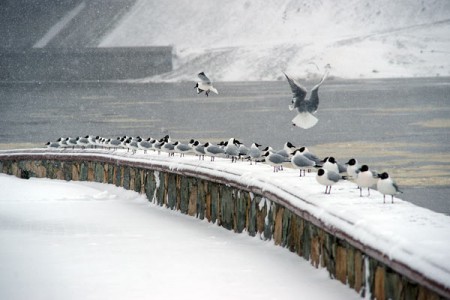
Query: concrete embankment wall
(241, 208)
(61, 64)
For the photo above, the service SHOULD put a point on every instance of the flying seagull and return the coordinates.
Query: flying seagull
(305, 108)
(205, 84)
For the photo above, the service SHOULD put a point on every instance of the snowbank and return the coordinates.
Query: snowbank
(257, 40)
(80, 240)
(406, 233)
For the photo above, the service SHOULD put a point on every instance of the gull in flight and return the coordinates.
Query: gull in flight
(205, 84)
(305, 108)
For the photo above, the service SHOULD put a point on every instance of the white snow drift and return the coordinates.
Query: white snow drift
(257, 40)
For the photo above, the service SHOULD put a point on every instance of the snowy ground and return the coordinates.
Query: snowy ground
(79, 240)
(409, 234)
(254, 40)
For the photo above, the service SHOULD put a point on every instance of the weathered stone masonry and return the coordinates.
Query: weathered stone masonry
(241, 209)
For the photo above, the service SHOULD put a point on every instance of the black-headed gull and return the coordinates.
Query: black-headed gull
(328, 179)
(301, 162)
(387, 186)
(366, 179)
(205, 84)
(305, 108)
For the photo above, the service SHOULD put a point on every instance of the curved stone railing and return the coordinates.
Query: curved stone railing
(231, 196)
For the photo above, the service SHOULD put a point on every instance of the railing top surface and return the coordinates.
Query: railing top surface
(412, 240)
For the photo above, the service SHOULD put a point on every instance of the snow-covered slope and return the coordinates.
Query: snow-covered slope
(256, 40)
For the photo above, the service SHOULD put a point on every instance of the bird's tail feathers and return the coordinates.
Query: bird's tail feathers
(305, 120)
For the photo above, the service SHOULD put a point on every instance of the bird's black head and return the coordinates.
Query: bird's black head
(266, 149)
(364, 168)
(351, 162)
(191, 141)
(302, 149)
(383, 175)
(196, 85)
(325, 159)
(331, 160)
(196, 143)
(320, 172)
(201, 73)
(257, 145)
(289, 144)
(207, 144)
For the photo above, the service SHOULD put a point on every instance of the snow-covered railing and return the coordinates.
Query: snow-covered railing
(381, 250)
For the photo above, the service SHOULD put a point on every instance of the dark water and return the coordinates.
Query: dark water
(396, 125)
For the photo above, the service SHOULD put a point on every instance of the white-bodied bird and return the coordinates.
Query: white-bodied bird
(305, 108)
(366, 179)
(387, 186)
(328, 179)
(205, 84)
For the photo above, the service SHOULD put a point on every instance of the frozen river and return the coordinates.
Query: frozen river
(397, 125)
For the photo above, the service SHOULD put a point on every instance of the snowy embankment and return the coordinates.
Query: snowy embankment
(403, 232)
(84, 240)
(258, 40)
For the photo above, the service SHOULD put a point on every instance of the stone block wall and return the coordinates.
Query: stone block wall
(239, 210)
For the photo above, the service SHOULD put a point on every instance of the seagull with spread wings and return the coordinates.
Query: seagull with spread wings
(305, 108)
(205, 84)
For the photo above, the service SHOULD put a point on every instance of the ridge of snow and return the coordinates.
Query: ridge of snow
(412, 235)
(254, 40)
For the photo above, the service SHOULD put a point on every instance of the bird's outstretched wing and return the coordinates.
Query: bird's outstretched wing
(204, 78)
(298, 91)
(313, 102)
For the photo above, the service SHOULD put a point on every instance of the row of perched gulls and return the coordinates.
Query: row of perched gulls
(329, 170)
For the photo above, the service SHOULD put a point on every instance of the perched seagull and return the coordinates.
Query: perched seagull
(132, 144)
(352, 168)
(83, 142)
(305, 108)
(366, 178)
(53, 145)
(198, 148)
(182, 148)
(305, 151)
(301, 162)
(93, 141)
(243, 150)
(328, 179)
(387, 186)
(287, 151)
(62, 142)
(115, 143)
(168, 147)
(205, 84)
(158, 145)
(145, 144)
(72, 142)
(232, 149)
(330, 164)
(213, 151)
(254, 154)
(276, 160)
